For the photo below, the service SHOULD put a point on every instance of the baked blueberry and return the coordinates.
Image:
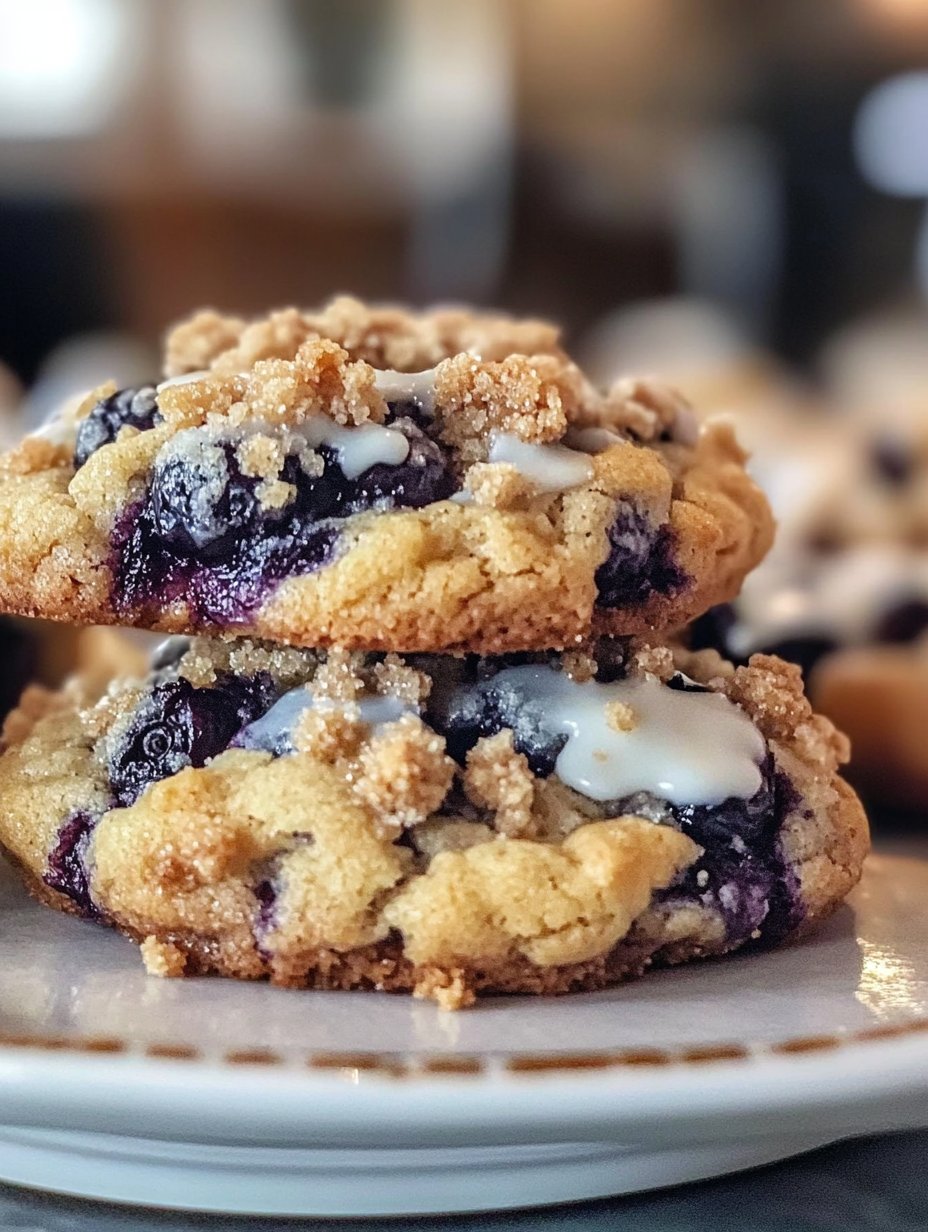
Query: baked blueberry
(485, 709)
(67, 870)
(640, 562)
(127, 408)
(177, 725)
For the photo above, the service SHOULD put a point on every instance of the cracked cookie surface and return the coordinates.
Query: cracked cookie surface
(535, 822)
(310, 482)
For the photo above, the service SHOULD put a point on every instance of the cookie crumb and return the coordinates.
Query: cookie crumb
(163, 958)
(404, 774)
(498, 778)
(498, 485)
(621, 717)
(655, 661)
(329, 734)
(449, 989)
(395, 678)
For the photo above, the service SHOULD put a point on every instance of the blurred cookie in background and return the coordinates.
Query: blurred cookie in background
(844, 593)
(47, 653)
(878, 694)
(700, 349)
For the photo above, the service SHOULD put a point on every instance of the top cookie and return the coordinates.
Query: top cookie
(371, 478)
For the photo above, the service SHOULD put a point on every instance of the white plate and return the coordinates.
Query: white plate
(231, 1097)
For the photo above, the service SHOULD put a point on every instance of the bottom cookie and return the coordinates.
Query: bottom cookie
(533, 823)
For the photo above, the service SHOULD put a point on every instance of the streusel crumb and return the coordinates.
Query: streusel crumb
(621, 717)
(404, 773)
(320, 380)
(162, 958)
(394, 677)
(339, 676)
(579, 665)
(646, 408)
(193, 344)
(532, 397)
(330, 733)
(655, 660)
(384, 336)
(499, 778)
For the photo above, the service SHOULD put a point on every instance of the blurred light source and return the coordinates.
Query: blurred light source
(900, 18)
(891, 136)
(63, 65)
(891, 143)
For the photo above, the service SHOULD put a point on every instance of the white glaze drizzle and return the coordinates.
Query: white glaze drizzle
(407, 386)
(684, 747)
(551, 468)
(360, 446)
(273, 729)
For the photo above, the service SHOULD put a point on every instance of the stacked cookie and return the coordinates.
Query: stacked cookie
(427, 723)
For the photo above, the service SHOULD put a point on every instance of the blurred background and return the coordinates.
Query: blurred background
(551, 157)
(731, 193)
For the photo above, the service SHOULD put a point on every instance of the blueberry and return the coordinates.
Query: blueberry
(198, 504)
(752, 820)
(742, 872)
(611, 655)
(424, 477)
(485, 709)
(177, 725)
(67, 870)
(683, 684)
(265, 891)
(640, 562)
(134, 408)
(903, 623)
(202, 536)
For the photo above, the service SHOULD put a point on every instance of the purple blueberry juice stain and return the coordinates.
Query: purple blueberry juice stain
(640, 563)
(212, 544)
(67, 870)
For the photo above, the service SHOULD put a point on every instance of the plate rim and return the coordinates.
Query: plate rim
(399, 1064)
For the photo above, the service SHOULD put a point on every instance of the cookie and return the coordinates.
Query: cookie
(303, 489)
(844, 594)
(534, 823)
